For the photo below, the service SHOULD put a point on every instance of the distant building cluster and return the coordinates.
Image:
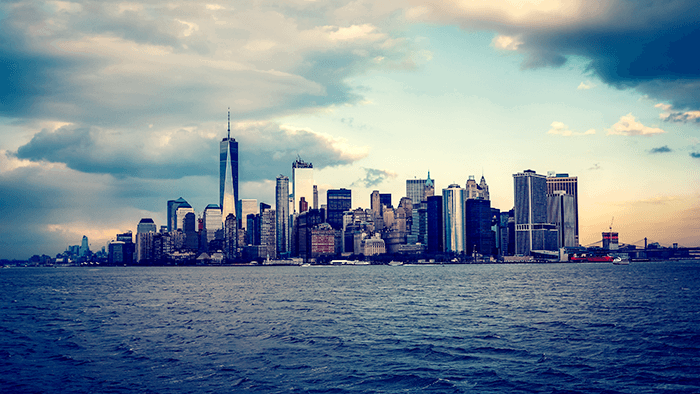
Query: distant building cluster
(459, 223)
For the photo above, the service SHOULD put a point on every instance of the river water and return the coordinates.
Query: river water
(530, 328)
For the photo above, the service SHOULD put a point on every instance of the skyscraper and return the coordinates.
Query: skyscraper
(315, 204)
(476, 191)
(212, 221)
(532, 232)
(429, 189)
(282, 215)
(172, 213)
(478, 218)
(248, 206)
(228, 175)
(560, 212)
(453, 218)
(415, 190)
(568, 184)
(302, 182)
(338, 201)
(183, 209)
(144, 240)
(435, 226)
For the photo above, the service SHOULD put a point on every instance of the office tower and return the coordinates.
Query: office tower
(144, 240)
(230, 237)
(475, 190)
(248, 206)
(84, 248)
(479, 235)
(306, 221)
(415, 190)
(561, 213)
(385, 200)
(374, 203)
(453, 218)
(315, 206)
(569, 184)
(302, 182)
(173, 205)
(189, 227)
(435, 225)
(338, 201)
(228, 175)
(268, 231)
(116, 253)
(303, 205)
(129, 247)
(183, 209)
(419, 224)
(212, 221)
(532, 231)
(429, 188)
(282, 215)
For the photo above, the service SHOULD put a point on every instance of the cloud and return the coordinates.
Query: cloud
(373, 177)
(191, 151)
(559, 128)
(628, 44)
(661, 149)
(585, 85)
(671, 115)
(596, 166)
(628, 125)
(506, 42)
(695, 155)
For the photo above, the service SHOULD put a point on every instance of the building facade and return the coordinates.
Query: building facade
(228, 175)
(338, 201)
(453, 218)
(282, 215)
(302, 182)
(568, 184)
(532, 231)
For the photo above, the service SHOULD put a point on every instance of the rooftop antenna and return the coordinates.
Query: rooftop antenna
(229, 122)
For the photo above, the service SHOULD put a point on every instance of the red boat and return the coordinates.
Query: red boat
(592, 259)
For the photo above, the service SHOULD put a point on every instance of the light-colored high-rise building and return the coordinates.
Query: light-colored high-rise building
(568, 184)
(182, 210)
(315, 205)
(248, 206)
(282, 214)
(476, 191)
(302, 182)
(228, 175)
(453, 218)
(171, 214)
(560, 212)
(532, 231)
(212, 221)
(429, 189)
(144, 240)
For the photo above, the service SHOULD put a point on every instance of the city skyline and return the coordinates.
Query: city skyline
(112, 110)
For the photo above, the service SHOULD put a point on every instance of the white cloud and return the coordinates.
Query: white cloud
(559, 128)
(509, 43)
(628, 125)
(585, 85)
(671, 115)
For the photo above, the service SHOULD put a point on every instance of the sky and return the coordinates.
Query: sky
(108, 109)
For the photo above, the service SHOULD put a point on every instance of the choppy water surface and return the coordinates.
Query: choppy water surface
(453, 329)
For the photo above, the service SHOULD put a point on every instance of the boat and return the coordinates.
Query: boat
(591, 259)
(395, 263)
(621, 261)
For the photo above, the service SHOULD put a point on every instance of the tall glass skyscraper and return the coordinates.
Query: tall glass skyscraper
(568, 184)
(302, 182)
(453, 218)
(282, 215)
(228, 175)
(532, 232)
(338, 201)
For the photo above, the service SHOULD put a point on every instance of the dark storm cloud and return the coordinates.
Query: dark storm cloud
(661, 149)
(373, 177)
(695, 155)
(265, 149)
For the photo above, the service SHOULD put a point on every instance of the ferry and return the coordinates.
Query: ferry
(591, 259)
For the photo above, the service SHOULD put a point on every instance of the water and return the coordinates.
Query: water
(559, 328)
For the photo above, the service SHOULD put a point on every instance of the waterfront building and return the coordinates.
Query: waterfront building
(435, 225)
(338, 201)
(561, 212)
(302, 183)
(268, 230)
(453, 218)
(478, 233)
(145, 249)
(532, 231)
(374, 246)
(129, 247)
(228, 175)
(568, 184)
(282, 229)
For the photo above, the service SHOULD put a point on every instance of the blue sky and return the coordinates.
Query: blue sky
(109, 109)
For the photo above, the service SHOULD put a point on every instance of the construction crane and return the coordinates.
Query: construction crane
(611, 223)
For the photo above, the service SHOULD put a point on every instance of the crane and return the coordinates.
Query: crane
(611, 223)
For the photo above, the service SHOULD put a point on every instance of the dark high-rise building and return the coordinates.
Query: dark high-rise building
(228, 175)
(532, 231)
(435, 226)
(189, 227)
(338, 201)
(479, 236)
(385, 200)
(230, 237)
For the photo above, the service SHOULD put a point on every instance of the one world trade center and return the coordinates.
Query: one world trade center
(228, 175)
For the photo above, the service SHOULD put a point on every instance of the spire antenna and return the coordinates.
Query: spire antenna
(229, 122)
